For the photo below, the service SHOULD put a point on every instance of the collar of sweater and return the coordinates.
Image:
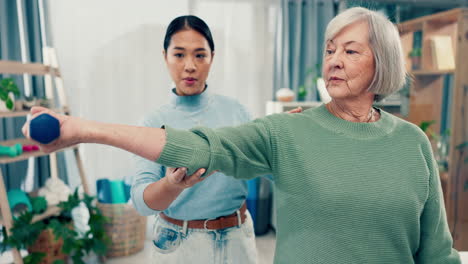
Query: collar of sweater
(190, 102)
(385, 125)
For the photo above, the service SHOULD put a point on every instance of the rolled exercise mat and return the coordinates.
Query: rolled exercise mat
(127, 190)
(18, 201)
(103, 191)
(117, 191)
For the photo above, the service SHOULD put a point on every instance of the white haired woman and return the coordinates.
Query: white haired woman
(353, 183)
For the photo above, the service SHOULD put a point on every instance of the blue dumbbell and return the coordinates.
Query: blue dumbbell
(44, 128)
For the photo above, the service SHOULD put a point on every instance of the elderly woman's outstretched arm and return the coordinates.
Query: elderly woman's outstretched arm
(243, 151)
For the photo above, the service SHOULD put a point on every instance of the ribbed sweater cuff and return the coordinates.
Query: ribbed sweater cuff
(184, 149)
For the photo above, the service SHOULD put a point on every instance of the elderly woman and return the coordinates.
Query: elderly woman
(353, 183)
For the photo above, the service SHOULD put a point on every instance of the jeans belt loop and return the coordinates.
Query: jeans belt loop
(239, 219)
(184, 228)
(205, 223)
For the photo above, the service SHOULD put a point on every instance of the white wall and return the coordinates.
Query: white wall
(243, 34)
(109, 52)
(110, 57)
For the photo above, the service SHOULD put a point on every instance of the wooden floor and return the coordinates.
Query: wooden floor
(265, 247)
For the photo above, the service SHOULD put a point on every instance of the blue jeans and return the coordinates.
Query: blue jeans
(234, 245)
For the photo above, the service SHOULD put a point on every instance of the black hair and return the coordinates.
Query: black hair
(188, 22)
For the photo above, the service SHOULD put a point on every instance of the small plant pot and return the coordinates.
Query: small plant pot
(48, 244)
(19, 105)
(301, 93)
(45, 102)
(416, 62)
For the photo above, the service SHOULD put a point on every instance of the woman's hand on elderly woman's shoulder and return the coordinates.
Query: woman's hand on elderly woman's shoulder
(295, 110)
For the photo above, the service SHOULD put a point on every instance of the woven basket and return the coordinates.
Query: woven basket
(126, 229)
(47, 244)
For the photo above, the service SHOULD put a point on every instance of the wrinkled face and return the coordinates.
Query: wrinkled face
(349, 64)
(188, 59)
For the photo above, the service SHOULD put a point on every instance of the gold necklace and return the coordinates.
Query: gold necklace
(371, 114)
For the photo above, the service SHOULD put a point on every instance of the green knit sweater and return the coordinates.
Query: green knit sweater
(345, 192)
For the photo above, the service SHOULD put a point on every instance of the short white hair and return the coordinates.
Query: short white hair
(390, 72)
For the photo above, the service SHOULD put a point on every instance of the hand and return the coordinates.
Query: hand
(69, 130)
(295, 110)
(179, 178)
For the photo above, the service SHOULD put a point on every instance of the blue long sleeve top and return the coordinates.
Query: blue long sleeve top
(217, 195)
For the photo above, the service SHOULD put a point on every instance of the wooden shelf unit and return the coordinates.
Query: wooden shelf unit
(14, 67)
(25, 113)
(426, 102)
(431, 72)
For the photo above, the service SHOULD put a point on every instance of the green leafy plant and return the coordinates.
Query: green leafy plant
(301, 93)
(39, 204)
(24, 232)
(95, 239)
(415, 55)
(302, 90)
(462, 147)
(440, 143)
(416, 52)
(424, 125)
(8, 86)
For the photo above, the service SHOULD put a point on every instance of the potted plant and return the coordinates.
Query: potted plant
(58, 232)
(302, 90)
(8, 90)
(415, 55)
(301, 93)
(440, 144)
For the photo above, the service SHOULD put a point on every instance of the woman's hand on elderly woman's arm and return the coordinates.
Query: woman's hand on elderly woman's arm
(159, 195)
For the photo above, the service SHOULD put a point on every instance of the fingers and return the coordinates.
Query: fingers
(25, 129)
(194, 178)
(38, 109)
(35, 111)
(177, 174)
(295, 110)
